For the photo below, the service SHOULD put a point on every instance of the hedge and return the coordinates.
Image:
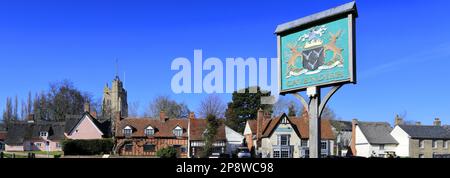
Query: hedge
(167, 152)
(88, 147)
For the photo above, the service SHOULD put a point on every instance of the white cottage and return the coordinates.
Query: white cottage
(372, 139)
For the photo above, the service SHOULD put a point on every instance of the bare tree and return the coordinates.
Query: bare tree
(212, 105)
(172, 108)
(133, 109)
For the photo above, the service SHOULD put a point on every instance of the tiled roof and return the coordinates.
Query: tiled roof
(162, 128)
(198, 127)
(377, 132)
(426, 132)
(301, 126)
(103, 124)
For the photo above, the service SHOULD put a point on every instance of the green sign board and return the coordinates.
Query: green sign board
(319, 55)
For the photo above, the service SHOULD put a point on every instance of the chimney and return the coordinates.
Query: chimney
(30, 118)
(437, 122)
(162, 116)
(191, 116)
(259, 123)
(353, 141)
(87, 107)
(418, 123)
(398, 120)
(117, 118)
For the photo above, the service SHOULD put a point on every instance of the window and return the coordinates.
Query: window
(323, 145)
(43, 134)
(58, 145)
(178, 131)
(183, 149)
(304, 143)
(422, 143)
(381, 147)
(284, 121)
(445, 144)
(128, 147)
(285, 153)
(283, 140)
(38, 144)
(434, 144)
(276, 154)
(127, 131)
(149, 148)
(421, 156)
(149, 131)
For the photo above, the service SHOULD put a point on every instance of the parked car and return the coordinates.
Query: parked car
(244, 153)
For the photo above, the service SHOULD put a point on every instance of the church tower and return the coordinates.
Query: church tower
(115, 100)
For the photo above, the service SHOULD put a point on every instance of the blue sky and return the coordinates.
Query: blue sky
(403, 49)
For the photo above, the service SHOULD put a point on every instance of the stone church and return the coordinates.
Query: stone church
(114, 101)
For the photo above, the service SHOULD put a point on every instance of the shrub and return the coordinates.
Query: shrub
(87, 147)
(168, 152)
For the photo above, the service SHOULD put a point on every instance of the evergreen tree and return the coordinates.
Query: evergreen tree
(244, 106)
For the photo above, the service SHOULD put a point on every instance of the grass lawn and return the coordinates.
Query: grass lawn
(45, 152)
(7, 155)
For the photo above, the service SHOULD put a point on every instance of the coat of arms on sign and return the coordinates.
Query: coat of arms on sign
(311, 50)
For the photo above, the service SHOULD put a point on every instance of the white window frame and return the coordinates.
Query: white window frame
(43, 134)
(127, 131)
(446, 144)
(288, 139)
(149, 131)
(434, 143)
(326, 145)
(178, 131)
(421, 143)
(382, 147)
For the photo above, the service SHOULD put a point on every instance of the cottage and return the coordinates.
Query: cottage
(34, 136)
(285, 137)
(372, 139)
(145, 136)
(87, 127)
(197, 130)
(422, 141)
(38, 135)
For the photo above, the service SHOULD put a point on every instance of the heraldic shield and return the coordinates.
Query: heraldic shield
(313, 58)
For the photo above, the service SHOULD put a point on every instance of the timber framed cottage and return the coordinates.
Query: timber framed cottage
(145, 136)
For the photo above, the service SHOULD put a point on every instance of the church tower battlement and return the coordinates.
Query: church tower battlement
(115, 99)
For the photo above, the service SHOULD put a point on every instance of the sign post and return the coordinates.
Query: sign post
(316, 52)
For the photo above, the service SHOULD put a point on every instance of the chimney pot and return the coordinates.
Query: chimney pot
(192, 115)
(437, 122)
(398, 120)
(87, 107)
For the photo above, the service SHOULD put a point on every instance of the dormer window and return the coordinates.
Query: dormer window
(43, 134)
(127, 131)
(149, 131)
(284, 121)
(178, 131)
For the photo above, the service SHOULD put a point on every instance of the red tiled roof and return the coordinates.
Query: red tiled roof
(300, 125)
(162, 128)
(198, 127)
